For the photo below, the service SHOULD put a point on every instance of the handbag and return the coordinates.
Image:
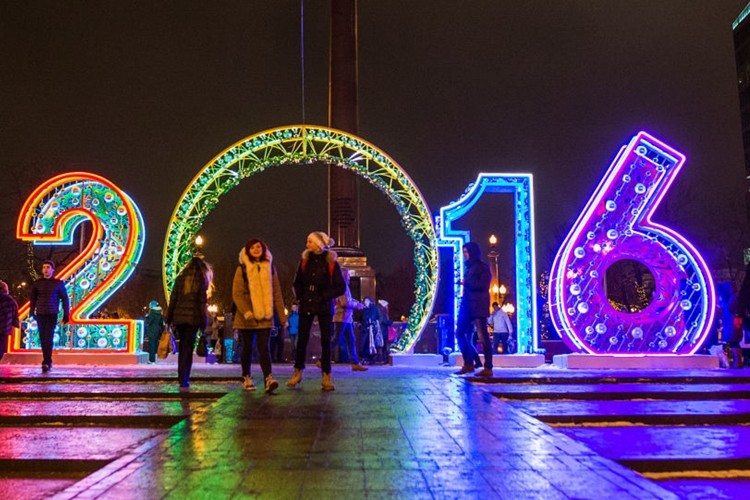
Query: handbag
(165, 344)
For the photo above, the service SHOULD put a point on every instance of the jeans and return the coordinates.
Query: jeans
(464, 337)
(347, 330)
(500, 338)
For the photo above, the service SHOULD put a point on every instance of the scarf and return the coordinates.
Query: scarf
(260, 286)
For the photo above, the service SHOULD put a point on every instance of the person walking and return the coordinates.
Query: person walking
(372, 337)
(502, 328)
(48, 295)
(188, 312)
(256, 291)
(277, 340)
(154, 327)
(343, 322)
(293, 329)
(473, 311)
(317, 283)
(8, 317)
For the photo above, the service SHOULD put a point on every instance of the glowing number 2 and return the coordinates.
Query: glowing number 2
(616, 225)
(49, 216)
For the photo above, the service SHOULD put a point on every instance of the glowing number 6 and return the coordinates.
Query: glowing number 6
(50, 216)
(616, 225)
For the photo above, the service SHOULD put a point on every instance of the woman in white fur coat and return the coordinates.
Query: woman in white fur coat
(256, 292)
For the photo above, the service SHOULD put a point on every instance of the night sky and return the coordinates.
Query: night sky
(146, 93)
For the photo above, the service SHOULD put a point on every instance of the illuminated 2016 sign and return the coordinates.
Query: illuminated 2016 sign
(614, 226)
(50, 216)
(522, 189)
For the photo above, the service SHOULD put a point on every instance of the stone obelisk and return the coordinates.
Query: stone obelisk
(343, 114)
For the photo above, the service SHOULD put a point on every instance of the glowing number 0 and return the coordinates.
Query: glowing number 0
(616, 225)
(49, 216)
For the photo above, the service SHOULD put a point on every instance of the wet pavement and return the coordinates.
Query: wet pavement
(392, 432)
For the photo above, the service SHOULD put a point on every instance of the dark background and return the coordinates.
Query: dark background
(146, 93)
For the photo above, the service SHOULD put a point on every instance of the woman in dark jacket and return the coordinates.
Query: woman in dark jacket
(188, 312)
(154, 327)
(317, 283)
(474, 309)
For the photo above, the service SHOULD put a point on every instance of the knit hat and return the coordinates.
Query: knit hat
(154, 306)
(322, 239)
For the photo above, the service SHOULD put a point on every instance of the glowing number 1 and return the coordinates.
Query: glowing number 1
(50, 216)
(616, 225)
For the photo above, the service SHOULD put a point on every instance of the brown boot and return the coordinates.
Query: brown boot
(326, 384)
(466, 369)
(296, 379)
(358, 368)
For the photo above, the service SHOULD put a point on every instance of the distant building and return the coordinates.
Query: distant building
(741, 29)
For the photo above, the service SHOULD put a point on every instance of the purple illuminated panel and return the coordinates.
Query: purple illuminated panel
(616, 225)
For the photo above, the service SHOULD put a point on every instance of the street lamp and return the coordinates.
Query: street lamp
(494, 257)
(198, 246)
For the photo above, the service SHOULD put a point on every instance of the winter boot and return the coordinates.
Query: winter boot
(326, 383)
(247, 383)
(296, 379)
(271, 384)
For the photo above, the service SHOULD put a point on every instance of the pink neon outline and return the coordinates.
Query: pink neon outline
(641, 225)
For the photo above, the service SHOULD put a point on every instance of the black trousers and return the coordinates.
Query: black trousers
(46, 324)
(305, 324)
(186, 336)
(264, 354)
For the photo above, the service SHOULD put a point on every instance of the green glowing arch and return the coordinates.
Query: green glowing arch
(302, 144)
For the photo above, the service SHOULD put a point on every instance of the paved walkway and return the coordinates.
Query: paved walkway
(387, 433)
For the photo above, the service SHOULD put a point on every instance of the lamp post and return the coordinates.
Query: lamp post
(494, 257)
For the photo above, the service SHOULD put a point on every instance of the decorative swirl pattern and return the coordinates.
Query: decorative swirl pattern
(616, 225)
(307, 145)
(50, 216)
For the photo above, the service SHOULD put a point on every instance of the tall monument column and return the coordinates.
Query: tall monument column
(343, 114)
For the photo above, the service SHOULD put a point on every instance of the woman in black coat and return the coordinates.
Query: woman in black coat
(317, 283)
(188, 312)
(474, 309)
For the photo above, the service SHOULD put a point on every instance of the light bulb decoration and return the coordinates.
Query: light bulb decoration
(616, 225)
(50, 216)
(303, 145)
(522, 188)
